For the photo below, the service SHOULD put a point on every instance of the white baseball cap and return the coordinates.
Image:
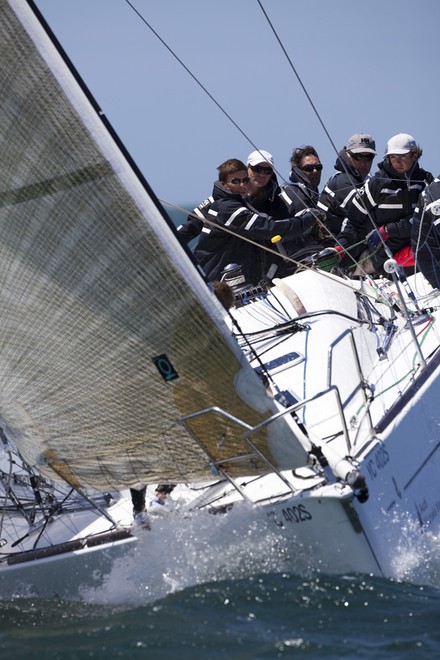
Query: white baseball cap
(402, 143)
(259, 157)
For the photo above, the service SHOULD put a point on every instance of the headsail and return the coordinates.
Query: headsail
(108, 335)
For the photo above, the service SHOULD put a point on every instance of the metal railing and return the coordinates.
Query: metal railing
(291, 413)
(363, 386)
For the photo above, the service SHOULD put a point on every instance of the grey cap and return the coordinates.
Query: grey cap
(361, 143)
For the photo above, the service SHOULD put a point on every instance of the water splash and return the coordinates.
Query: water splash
(180, 552)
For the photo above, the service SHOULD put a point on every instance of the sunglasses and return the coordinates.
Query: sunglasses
(367, 157)
(310, 168)
(259, 169)
(237, 181)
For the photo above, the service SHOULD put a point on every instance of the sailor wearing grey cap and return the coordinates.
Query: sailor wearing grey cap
(382, 209)
(361, 143)
(352, 166)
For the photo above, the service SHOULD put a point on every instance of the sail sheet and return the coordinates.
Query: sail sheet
(108, 334)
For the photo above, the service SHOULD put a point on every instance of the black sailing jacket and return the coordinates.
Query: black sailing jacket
(425, 233)
(390, 198)
(217, 248)
(338, 191)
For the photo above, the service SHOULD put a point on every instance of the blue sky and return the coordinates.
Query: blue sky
(367, 66)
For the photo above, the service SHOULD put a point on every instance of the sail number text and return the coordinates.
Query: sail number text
(378, 461)
(292, 514)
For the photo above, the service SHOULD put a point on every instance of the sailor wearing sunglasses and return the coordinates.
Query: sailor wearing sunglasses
(353, 165)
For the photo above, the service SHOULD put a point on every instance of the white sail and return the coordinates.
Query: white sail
(108, 335)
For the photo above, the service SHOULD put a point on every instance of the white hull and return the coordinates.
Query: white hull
(392, 438)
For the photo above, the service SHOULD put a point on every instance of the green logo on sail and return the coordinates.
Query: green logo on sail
(165, 368)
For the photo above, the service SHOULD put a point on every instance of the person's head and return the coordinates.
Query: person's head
(307, 160)
(361, 150)
(224, 293)
(260, 169)
(163, 490)
(233, 175)
(402, 152)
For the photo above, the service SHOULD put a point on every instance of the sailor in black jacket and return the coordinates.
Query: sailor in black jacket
(381, 210)
(264, 190)
(302, 191)
(246, 230)
(352, 167)
(298, 194)
(425, 233)
(301, 194)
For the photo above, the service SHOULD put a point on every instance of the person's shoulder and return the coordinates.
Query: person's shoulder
(427, 176)
(224, 206)
(206, 202)
(380, 178)
(273, 185)
(292, 185)
(435, 183)
(432, 190)
(336, 180)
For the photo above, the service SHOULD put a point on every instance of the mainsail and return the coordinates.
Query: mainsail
(108, 334)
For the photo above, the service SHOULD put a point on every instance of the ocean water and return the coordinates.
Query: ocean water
(179, 214)
(181, 594)
(272, 615)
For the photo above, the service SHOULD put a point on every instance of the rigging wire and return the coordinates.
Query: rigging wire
(241, 131)
(358, 263)
(298, 76)
(360, 200)
(303, 87)
(193, 76)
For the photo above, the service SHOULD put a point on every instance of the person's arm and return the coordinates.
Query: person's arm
(359, 210)
(292, 198)
(425, 236)
(242, 220)
(190, 229)
(195, 221)
(334, 199)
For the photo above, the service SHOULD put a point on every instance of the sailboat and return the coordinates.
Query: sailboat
(313, 403)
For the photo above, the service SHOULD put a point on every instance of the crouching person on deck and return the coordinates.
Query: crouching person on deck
(425, 233)
(158, 505)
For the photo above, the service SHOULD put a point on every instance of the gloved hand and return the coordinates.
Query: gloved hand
(376, 237)
(320, 232)
(320, 215)
(328, 258)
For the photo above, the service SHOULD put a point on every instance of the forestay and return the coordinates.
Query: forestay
(94, 287)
